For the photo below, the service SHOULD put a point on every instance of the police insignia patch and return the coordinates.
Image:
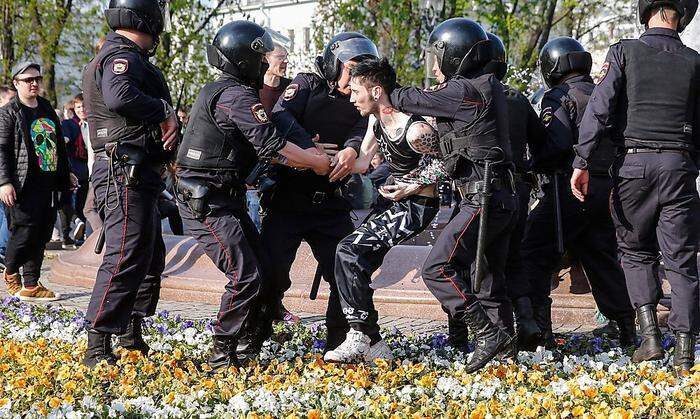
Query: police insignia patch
(436, 87)
(603, 72)
(119, 66)
(290, 91)
(259, 113)
(547, 116)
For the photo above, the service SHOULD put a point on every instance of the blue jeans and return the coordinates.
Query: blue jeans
(253, 206)
(4, 231)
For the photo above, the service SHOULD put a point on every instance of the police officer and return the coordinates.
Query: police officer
(305, 206)
(132, 125)
(647, 100)
(470, 110)
(526, 132)
(586, 230)
(227, 133)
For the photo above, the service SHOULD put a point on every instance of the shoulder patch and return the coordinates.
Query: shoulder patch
(547, 116)
(259, 113)
(120, 66)
(436, 87)
(290, 91)
(603, 72)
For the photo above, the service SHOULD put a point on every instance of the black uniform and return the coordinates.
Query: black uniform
(471, 110)
(226, 133)
(362, 252)
(648, 94)
(526, 133)
(587, 228)
(125, 98)
(305, 206)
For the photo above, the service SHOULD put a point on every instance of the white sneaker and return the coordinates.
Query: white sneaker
(79, 231)
(379, 350)
(353, 350)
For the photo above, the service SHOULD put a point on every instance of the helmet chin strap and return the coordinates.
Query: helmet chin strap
(156, 42)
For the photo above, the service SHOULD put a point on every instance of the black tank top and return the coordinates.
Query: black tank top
(400, 156)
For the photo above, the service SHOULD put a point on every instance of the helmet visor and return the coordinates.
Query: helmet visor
(351, 48)
(263, 44)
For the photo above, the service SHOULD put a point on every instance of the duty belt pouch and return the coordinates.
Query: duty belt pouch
(194, 194)
(130, 158)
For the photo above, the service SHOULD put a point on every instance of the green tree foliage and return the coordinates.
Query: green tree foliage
(402, 26)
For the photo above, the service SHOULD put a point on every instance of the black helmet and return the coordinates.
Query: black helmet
(562, 56)
(685, 8)
(147, 16)
(238, 50)
(461, 46)
(499, 63)
(342, 48)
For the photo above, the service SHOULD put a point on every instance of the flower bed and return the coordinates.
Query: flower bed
(40, 374)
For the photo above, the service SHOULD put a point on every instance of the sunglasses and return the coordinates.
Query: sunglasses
(30, 80)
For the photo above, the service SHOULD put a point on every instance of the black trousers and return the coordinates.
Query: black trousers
(168, 209)
(516, 286)
(362, 252)
(230, 239)
(30, 222)
(656, 208)
(282, 233)
(588, 234)
(128, 280)
(449, 268)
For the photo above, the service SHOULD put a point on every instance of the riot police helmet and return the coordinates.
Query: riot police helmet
(342, 48)
(686, 10)
(238, 49)
(562, 56)
(461, 47)
(147, 16)
(499, 63)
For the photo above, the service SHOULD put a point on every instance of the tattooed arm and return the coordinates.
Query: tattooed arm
(423, 139)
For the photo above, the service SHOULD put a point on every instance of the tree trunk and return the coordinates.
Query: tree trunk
(7, 40)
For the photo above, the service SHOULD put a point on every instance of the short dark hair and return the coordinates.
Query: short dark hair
(78, 98)
(376, 71)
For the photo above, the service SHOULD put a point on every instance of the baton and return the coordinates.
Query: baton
(317, 283)
(485, 196)
(100, 241)
(557, 216)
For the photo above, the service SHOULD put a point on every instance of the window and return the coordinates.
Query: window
(290, 35)
(307, 39)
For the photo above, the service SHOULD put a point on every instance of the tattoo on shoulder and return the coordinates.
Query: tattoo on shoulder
(425, 143)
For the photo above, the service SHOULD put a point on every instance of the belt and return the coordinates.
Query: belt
(636, 150)
(476, 186)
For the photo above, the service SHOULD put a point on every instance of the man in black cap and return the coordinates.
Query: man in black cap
(648, 100)
(34, 170)
(132, 127)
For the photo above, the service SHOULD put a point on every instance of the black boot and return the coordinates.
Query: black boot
(650, 349)
(684, 353)
(528, 333)
(99, 349)
(132, 339)
(628, 332)
(223, 353)
(490, 339)
(543, 318)
(251, 342)
(458, 334)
